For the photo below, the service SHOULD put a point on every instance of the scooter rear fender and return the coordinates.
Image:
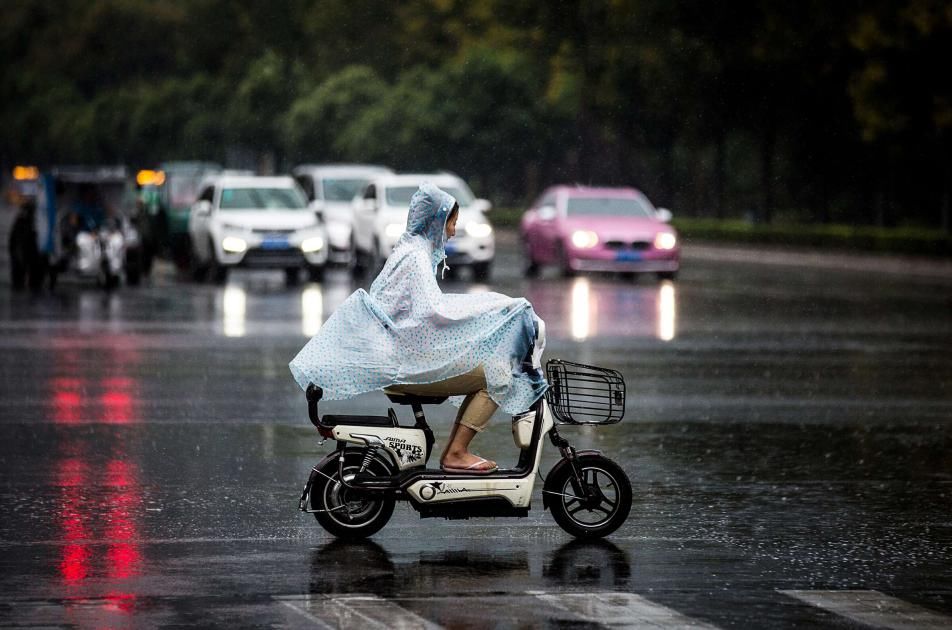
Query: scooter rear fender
(559, 466)
(331, 457)
(334, 455)
(303, 504)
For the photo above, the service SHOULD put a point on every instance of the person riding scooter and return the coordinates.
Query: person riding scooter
(407, 336)
(86, 215)
(92, 236)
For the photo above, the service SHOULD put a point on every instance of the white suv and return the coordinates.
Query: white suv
(255, 222)
(380, 218)
(330, 189)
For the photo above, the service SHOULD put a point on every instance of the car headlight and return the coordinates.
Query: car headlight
(233, 244)
(478, 229)
(584, 239)
(313, 244)
(665, 240)
(394, 230)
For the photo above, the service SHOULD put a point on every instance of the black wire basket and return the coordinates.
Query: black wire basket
(584, 394)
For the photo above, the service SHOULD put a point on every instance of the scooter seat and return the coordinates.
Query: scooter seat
(329, 420)
(412, 399)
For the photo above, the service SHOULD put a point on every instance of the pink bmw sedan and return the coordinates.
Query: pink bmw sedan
(599, 229)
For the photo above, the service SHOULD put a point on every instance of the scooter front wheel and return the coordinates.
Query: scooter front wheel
(348, 513)
(608, 499)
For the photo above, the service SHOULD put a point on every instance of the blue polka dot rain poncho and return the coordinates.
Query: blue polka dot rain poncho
(407, 331)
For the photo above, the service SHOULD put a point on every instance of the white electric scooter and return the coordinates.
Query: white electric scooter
(377, 462)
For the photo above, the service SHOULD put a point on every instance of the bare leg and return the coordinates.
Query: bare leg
(474, 414)
(457, 452)
(449, 440)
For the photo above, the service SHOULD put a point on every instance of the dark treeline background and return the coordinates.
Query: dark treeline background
(810, 110)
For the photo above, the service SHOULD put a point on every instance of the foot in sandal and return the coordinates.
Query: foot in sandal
(469, 464)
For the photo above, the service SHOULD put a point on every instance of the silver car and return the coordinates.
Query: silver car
(380, 218)
(330, 188)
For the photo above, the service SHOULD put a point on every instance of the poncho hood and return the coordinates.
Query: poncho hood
(430, 207)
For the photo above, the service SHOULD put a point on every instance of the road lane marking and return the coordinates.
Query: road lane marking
(621, 610)
(874, 608)
(357, 612)
(314, 620)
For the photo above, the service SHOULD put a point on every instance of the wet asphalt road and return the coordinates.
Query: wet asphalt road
(788, 436)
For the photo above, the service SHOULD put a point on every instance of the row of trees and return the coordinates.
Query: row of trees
(820, 111)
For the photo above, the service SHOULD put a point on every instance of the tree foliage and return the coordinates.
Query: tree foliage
(812, 110)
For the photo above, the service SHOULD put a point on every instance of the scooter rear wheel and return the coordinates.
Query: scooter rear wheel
(348, 513)
(609, 503)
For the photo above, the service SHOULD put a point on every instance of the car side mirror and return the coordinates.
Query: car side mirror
(203, 208)
(481, 205)
(546, 213)
(663, 214)
(317, 207)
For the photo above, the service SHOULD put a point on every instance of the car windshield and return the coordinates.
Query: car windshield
(608, 206)
(262, 199)
(400, 195)
(183, 190)
(342, 189)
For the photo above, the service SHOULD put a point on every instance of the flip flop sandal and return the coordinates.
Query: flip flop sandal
(471, 469)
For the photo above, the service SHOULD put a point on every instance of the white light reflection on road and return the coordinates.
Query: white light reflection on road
(96, 307)
(233, 311)
(312, 311)
(587, 308)
(584, 310)
(667, 311)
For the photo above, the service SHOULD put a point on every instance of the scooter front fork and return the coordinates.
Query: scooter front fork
(579, 486)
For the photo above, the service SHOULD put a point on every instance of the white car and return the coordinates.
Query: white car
(330, 189)
(380, 218)
(255, 222)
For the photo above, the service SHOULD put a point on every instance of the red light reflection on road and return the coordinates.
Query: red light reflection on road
(123, 557)
(97, 515)
(117, 400)
(74, 565)
(67, 397)
(99, 504)
(99, 492)
(120, 602)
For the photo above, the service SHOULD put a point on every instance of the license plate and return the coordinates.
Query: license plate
(275, 242)
(628, 256)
